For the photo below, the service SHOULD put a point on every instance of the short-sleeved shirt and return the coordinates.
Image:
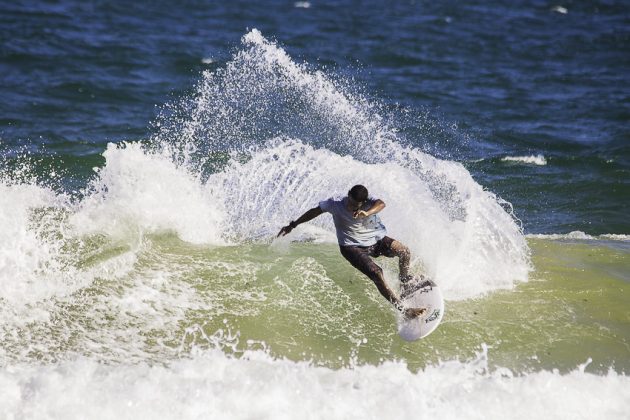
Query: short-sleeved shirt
(365, 231)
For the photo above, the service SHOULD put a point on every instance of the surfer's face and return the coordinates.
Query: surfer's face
(353, 204)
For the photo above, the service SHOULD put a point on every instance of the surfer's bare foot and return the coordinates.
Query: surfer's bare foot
(412, 313)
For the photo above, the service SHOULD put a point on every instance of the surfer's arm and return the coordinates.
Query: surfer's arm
(309, 215)
(376, 207)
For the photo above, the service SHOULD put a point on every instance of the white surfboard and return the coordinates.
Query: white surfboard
(427, 295)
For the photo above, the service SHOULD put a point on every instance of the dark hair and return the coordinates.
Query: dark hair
(358, 193)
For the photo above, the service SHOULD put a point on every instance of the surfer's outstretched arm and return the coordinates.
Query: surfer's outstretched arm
(309, 215)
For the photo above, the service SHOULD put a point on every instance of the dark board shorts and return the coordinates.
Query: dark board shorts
(359, 256)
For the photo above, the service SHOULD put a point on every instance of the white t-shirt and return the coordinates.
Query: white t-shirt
(363, 231)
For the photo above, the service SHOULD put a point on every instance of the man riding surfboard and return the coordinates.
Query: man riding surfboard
(361, 235)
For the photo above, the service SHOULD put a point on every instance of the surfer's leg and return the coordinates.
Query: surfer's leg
(360, 259)
(404, 256)
(389, 247)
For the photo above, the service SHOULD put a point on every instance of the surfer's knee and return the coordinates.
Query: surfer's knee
(374, 272)
(400, 249)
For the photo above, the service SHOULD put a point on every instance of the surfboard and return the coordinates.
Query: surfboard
(423, 293)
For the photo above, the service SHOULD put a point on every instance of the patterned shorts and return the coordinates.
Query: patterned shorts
(359, 256)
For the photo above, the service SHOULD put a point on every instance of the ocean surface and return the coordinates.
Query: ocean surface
(150, 153)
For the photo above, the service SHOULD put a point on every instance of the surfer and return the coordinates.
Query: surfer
(362, 235)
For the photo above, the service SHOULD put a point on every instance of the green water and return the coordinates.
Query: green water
(575, 307)
(302, 301)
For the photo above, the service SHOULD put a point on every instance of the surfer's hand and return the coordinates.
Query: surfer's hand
(287, 229)
(359, 214)
(284, 231)
(412, 313)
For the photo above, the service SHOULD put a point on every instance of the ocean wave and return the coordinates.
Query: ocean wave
(138, 192)
(213, 176)
(161, 234)
(304, 136)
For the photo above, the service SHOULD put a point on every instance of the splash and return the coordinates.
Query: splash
(260, 141)
(483, 251)
(275, 136)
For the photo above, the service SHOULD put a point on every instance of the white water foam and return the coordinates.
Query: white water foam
(22, 252)
(560, 9)
(34, 266)
(45, 239)
(615, 237)
(529, 160)
(579, 235)
(213, 385)
(140, 192)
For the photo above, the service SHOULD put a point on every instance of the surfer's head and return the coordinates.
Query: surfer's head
(357, 195)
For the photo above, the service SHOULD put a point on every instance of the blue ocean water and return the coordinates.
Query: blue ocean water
(474, 82)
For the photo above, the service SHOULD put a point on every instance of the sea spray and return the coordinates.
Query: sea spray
(483, 252)
(275, 137)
